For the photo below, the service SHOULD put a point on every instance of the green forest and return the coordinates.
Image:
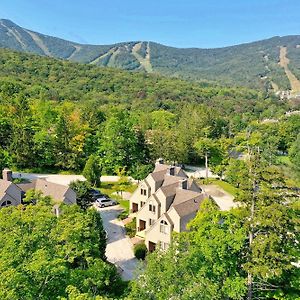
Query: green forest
(253, 64)
(56, 116)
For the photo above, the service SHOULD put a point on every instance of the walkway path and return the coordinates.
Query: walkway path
(119, 249)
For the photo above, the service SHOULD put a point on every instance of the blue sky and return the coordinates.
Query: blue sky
(179, 23)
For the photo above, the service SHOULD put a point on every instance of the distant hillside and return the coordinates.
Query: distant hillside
(254, 64)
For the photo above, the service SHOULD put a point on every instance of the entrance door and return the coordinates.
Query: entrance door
(142, 225)
(135, 207)
(151, 246)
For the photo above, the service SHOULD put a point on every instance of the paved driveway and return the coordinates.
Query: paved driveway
(222, 198)
(119, 249)
(63, 179)
(198, 172)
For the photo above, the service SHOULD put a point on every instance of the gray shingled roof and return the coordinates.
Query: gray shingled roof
(190, 205)
(159, 175)
(56, 191)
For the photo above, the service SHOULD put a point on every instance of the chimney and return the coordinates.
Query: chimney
(183, 184)
(171, 171)
(159, 161)
(7, 174)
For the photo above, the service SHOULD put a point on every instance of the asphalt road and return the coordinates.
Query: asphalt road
(119, 249)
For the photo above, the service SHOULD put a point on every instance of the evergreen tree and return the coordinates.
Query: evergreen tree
(92, 170)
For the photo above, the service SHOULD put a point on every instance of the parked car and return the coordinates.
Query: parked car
(95, 194)
(104, 202)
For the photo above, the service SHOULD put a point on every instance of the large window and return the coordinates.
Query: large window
(6, 203)
(164, 227)
(164, 246)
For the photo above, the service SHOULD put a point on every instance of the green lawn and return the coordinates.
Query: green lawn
(110, 188)
(227, 187)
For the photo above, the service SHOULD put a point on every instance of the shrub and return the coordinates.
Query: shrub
(131, 228)
(123, 215)
(140, 251)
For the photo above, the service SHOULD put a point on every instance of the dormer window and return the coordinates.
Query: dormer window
(164, 227)
(144, 192)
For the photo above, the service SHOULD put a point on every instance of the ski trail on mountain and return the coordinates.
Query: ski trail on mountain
(284, 62)
(77, 49)
(39, 42)
(97, 59)
(15, 34)
(145, 62)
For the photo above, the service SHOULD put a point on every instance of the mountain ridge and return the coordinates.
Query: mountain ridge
(253, 64)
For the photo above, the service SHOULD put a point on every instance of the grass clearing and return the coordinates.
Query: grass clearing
(110, 188)
(227, 187)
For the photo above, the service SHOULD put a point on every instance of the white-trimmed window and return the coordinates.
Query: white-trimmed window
(143, 192)
(151, 222)
(164, 246)
(6, 203)
(164, 228)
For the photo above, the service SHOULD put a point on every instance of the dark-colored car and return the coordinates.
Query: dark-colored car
(96, 194)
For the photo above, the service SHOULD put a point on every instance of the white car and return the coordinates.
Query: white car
(104, 202)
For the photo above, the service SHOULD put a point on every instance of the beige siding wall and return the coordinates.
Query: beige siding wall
(175, 219)
(155, 236)
(162, 198)
(137, 197)
(145, 214)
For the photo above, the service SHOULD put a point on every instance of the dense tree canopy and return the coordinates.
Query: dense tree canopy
(43, 255)
(250, 252)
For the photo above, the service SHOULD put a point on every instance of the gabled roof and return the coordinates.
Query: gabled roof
(159, 175)
(4, 185)
(56, 191)
(169, 179)
(183, 195)
(169, 190)
(189, 206)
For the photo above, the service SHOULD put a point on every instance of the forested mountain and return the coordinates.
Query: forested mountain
(253, 65)
(57, 115)
(50, 107)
